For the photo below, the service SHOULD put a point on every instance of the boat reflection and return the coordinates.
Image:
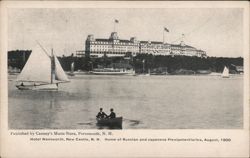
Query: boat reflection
(107, 126)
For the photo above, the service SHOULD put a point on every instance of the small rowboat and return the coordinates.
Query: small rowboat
(113, 122)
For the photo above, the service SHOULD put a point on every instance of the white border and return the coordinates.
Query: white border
(21, 147)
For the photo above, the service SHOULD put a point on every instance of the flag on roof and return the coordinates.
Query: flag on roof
(166, 29)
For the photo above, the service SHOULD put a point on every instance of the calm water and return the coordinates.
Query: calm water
(155, 102)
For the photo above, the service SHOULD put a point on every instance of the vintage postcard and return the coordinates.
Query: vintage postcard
(124, 79)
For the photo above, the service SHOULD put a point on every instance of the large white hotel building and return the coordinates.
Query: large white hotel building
(113, 46)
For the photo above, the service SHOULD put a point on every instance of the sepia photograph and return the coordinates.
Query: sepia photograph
(125, 68)
(124, 79)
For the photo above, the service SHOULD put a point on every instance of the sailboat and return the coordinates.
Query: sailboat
(41, 72)
(72, 68)
(225, 73)
(149, 73)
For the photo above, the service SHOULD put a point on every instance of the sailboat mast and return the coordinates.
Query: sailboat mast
(52, 66)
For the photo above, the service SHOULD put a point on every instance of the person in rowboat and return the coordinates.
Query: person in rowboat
(101, 114)
(112, 114)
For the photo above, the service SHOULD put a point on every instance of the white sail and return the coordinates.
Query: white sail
(72, 67)
(225, 72)
(37, 68)
(59, 73)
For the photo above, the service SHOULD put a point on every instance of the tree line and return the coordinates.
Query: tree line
(141, 62)
(144, 62)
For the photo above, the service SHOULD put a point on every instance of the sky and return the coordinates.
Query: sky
(219, 32)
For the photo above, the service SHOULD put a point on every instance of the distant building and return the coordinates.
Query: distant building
(113, 46)
(186, 50)
(155, 48)
(80, 53)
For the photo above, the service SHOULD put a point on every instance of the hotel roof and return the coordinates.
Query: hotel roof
(178, 45)
(103, 39)
(153, 42)
(109, 40)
